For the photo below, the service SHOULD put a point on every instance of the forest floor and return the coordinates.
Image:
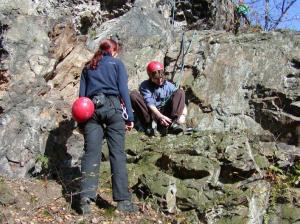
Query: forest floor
(35, 201)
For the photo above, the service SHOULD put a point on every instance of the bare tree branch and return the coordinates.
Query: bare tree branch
(283, 13)
(267, 14)
(282, 6)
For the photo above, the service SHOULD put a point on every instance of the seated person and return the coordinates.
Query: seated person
(159, 100)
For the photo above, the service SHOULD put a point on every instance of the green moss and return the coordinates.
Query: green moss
(43, 160)
(232, 220)
(290, 212)
(109, 212)
(134, 141)
(261, 161)
(231, 196)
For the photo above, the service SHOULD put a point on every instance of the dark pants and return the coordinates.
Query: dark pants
(173, 108)
(107, 118)
(238, 17)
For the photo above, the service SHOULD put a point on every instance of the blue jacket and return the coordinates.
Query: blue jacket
(157, 95)
(110, 77)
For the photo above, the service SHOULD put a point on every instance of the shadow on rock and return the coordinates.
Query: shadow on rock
(60, 161)
(102, 203)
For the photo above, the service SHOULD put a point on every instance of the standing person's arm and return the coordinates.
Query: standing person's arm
(82, 92)
(124, 93)
(82, 84)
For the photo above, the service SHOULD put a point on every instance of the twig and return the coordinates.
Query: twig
(41, 206)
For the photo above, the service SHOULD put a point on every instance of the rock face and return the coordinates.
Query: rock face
(233, 84)
(242, 98)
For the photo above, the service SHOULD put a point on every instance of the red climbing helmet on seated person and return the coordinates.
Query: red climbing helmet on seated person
(82, 109)
(154, 66)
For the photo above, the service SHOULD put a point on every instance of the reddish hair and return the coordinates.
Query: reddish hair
(107, 46)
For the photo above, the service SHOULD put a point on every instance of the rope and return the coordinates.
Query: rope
(182, 52)
(181, 49)
(173, 8)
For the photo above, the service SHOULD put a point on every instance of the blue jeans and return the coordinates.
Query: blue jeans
(106, 119)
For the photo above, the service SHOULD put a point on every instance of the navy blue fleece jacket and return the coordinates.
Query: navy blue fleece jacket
(110, 77)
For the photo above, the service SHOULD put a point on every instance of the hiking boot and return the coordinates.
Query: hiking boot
(163, 130)
(127, 206)
(176, 128)
(84, 206)
(149, 131)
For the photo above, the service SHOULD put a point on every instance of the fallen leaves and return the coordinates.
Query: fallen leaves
(37, 205)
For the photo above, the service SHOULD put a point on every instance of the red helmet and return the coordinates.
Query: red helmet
(82, 109)
(154, 66)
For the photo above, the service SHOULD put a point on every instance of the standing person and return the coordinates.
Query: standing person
(105, 81)
(159, 100)
(241, 12)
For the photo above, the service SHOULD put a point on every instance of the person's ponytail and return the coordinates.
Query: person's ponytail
(107, 46)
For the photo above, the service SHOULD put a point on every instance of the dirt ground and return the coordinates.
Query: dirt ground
(35, 201)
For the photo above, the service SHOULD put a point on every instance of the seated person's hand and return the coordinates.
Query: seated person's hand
(129, 125)
(164, 120)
